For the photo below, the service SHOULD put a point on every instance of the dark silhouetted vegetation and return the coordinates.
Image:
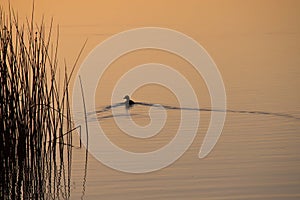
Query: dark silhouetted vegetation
(35, 119)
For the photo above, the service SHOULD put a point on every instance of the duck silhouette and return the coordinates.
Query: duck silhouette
(128, 103)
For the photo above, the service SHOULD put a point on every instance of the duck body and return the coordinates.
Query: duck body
(128, 103)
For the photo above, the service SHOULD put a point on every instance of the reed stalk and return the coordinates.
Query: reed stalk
(35, 114)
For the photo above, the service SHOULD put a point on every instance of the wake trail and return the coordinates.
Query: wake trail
(169, 107)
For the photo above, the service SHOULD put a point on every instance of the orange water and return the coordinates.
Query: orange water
(256, 47)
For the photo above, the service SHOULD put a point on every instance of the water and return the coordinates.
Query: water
(255, 157)
(256, 48)
(249, 161)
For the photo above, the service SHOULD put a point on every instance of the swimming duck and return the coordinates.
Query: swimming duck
(128, 102)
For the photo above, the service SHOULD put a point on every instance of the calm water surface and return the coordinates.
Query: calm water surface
(255, 45)
(256, 157)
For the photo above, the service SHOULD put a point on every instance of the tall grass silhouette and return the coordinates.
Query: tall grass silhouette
(35, 119)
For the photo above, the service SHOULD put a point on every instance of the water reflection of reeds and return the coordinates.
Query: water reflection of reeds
(34, 114)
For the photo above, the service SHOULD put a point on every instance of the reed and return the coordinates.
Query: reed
(35, 119)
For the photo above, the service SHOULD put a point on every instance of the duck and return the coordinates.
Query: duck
(128, 103)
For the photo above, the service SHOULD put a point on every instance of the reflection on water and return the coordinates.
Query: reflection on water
(43, 173)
